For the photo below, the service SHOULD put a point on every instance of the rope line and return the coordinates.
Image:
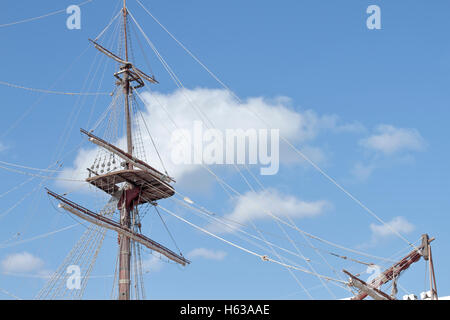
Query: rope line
(38, 237)
(16, 86)
(224, 184)
(167, 229)
(107, 27)
(180, 85)
(152, 140)
(312, 163)
(261, 256)
(40, 17)
(10, 294)
(40, 176)
(29, 168)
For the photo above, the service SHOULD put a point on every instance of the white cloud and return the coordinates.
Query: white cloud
(334, 124)
(398, 224)
(362, 172)
(315, 154)
(354, 127)
(152, 264)
(258, 206)
(207, 254)
(389, 145)
(21, 262)
(390, 140)
(225, 113)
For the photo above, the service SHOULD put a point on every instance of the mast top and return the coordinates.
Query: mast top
(125, 14)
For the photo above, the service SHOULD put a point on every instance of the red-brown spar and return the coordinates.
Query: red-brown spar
(393, 273)
(104, 222)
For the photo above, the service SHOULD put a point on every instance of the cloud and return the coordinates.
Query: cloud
(21, 262)
(185, 106)
(257, 206)
(354, 127)
(362, 172)
(388, 145)
(333, 123)
(390, 140)
(398, 224)
(207, 254)
(152, 264)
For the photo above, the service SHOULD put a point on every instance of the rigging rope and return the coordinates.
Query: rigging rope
(107, 27)
(17, 187)
(291, 221)
(290, 267)
(287, 236)
(282, 263)
(167, 229)
(40, 17)
(9, 294)
(38, 237)
(189, 204)
(262, 257)
(40, 176)
(233, 228)
(103, 76)
(38, 100)
(89, 242)
(12, 85)
(224, 184)
(178, 82)
(152, 140)
(301, 154)
(5, 213)
(180, 85)
(29, 168)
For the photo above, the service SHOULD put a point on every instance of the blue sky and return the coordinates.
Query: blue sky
(377, 102)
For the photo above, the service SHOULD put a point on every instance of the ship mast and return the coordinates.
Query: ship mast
(125, 219)
(126, 83)
(136, 184)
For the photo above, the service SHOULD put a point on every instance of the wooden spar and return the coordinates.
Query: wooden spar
(143, 75)
(138, 73)
(427, 256)
(151, 189)
(433, 286)
(108, 53)
(127, 157)
(393, 272)
(367, 289)
(102, 221)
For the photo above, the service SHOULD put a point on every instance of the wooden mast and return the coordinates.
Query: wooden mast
(129, 186)
(126, 84)
(429, 257)
(125, 212)
(147, 181)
